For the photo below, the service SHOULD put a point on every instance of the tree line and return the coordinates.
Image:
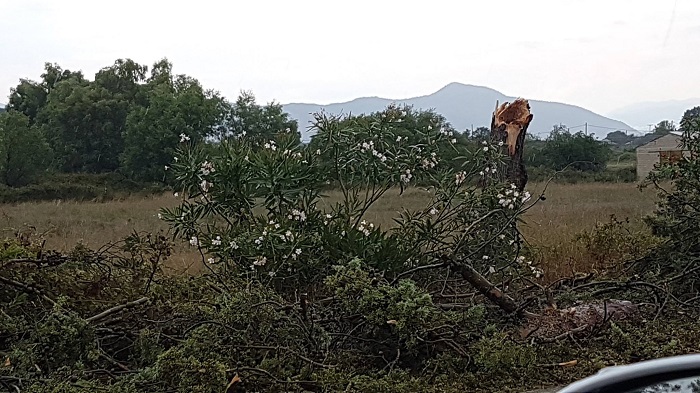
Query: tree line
(130, 119)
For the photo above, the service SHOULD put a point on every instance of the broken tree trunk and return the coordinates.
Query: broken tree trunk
(509, 125)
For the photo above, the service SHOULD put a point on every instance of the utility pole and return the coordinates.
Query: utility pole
(586, 125)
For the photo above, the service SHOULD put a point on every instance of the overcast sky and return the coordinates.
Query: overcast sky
(599, 54)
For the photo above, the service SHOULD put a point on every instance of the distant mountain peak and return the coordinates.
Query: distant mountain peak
(466, 107)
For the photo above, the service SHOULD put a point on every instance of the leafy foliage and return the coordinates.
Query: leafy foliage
(24, 152)
(576, 151)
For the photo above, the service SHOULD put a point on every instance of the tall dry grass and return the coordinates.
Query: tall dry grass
(550, 226)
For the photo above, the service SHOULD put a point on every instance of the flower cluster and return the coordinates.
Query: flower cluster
(369, 146)
(460, 177)
(536, 271)
(297, 215)
(216, 242)
(430, 162)
(290, 153)
(206, 168)
(406, 176)
(259, 261)
(488, 170)
(184, 138)
(512, 197)
(327, 219)
(446, 132)
(271, 145)
(365, 227)
(296, 253)
(205, 185)
(287, 236)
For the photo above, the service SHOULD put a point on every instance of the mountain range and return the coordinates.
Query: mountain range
(467, 107)
(645, 114)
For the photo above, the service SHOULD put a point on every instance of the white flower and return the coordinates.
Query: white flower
(481, 173)
(167, 167)
(511, 206)
(207, 168)
(271, 274)
(430, 128)
(216, 242)
(484, 143)
(453, 140)
(194, 241)
(160, 216)
(502, 236)
(433, 211)
(406, 176)
(184, 138)
(211, 260)
(205, 185)
(297, 251)
(460, 177)
(329, 216)
(260, 261)
(486, 148)
(398, 138)
(520, 259)
(500, 143)
(526, 196)
(277, 226)
(492, 269)
(267, 145)
(175, 158)
(233, 245)
(176, 194)
(485, 257)
(318, 152)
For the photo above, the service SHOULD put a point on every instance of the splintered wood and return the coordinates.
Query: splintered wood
(513, 119)
(509, 125)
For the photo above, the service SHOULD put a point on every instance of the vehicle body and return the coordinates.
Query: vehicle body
(678, 374)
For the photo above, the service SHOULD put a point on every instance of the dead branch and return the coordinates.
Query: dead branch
(27, 288)
(115, 309)
(481, 284)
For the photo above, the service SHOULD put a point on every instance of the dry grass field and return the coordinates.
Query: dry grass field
(551, 225)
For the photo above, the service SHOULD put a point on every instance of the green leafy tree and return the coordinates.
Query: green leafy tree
(247, 118)
(664, 127)
(24, 152)
(84, 124)
(29, 97)
(576, 151)
(176, 109)
(677, 217)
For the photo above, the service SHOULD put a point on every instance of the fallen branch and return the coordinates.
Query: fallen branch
(28, 288)
(481, 284)
(116, 309)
